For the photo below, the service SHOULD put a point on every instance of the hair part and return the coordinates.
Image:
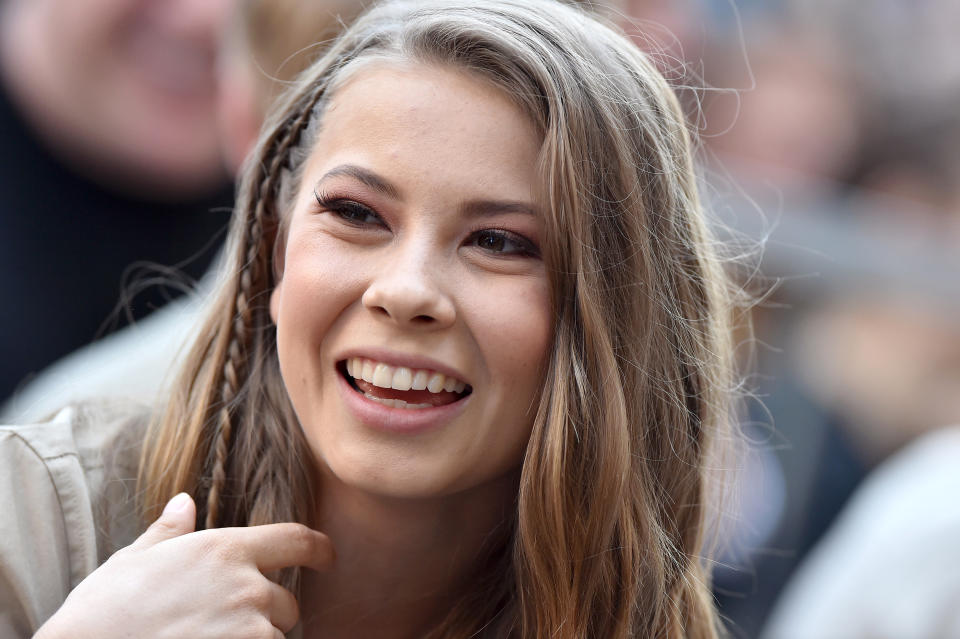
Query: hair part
(607, 540)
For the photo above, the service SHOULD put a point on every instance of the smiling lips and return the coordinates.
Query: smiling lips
(402, 387)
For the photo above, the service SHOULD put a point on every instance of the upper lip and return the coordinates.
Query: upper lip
(410, 360)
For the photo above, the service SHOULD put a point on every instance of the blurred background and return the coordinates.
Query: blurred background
(830, 143)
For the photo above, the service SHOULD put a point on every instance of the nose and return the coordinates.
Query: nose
(408, 291)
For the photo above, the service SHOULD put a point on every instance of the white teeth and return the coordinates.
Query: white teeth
(401, 377)
(420, 380)
(366, 372)
(435, 385)
(382, 376)
(394, 403)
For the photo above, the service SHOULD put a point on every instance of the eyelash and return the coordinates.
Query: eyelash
(352, 213)
(343, 208)
(525, 248)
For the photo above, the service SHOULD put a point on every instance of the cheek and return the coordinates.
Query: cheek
(516, 337)
(514, 331)
(318, 283)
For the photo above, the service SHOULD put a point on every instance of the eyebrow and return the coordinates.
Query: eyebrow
(473, 208)
(365, 177)
(488, 208)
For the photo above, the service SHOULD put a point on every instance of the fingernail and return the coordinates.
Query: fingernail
(178, 503)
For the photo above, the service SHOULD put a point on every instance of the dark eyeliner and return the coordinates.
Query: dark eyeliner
(347, 210)
(526, 247)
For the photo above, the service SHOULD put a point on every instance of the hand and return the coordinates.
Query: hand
(174, 582)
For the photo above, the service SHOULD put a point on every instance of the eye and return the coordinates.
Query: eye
(503, 242)
(349, 211)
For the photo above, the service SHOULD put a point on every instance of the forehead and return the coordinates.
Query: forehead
(429, 122)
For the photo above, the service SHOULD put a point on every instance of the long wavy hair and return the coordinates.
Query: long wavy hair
(608, 533)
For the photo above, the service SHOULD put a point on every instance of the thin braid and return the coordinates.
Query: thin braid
(251, 272)
(232, 369)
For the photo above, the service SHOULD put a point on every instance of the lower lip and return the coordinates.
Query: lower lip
(407, 421)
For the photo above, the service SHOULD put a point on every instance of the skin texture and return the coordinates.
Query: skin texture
(414, 277)
(412, 282)
(409, 513)
(228, 597)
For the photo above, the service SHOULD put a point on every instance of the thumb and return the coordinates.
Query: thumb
(178, 518)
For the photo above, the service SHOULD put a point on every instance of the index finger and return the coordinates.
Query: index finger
(276, 546)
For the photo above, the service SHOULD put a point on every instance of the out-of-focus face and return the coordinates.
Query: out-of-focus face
(138, 78)
(413, 315)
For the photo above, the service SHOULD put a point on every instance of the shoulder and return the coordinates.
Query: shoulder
(94, 436)
(67, 499)
(900, 527)
(90, 448)
(108, 437)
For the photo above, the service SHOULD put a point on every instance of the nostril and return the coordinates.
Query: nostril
(408, 305)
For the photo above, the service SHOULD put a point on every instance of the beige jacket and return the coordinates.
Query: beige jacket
(67, 498)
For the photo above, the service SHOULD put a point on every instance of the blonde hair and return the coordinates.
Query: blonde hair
(607, 539)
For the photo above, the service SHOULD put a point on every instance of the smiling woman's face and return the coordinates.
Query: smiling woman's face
(412, 261)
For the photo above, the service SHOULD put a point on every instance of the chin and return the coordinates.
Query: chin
(393, 476)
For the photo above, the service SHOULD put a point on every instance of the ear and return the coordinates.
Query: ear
(275, 301)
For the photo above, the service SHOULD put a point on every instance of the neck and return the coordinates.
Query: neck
(401, 563)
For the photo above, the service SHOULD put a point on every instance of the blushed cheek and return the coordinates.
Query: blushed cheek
(534, 324)
(306, 302)
(320, 279)
(521, 335)
(302, 319)
(537, 337)
(518, 337)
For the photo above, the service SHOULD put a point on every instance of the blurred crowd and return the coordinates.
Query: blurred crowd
(830, 135)
(124, 123)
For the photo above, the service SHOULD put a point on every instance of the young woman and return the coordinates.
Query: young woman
(465, 367)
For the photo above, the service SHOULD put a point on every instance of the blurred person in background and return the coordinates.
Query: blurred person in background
(886, 355)
(792, 124)
(888, 567)
(835, 134)
(111, 158)
(782, 131)
(264, 44)
(844, 135)
(775, 84)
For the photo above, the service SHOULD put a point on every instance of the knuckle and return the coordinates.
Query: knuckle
(266, 628)
(261, 628)
(290, 608)
(165, 526)
(254, 596)
(294, 605)
(303, 537)
(122, 554)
